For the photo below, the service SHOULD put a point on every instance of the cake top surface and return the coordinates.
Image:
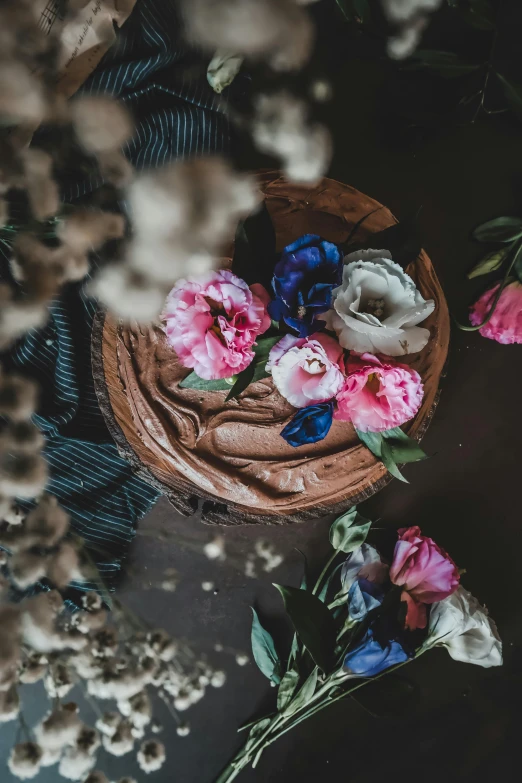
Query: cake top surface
(195, 444)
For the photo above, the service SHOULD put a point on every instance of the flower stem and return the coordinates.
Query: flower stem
(324, 572)
(497, 295)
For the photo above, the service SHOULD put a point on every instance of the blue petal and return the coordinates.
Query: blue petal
(320, 295)
(360, 602)
(309, 425)
(369, 659)
(303, 327)
(277, 309)
(306, 239)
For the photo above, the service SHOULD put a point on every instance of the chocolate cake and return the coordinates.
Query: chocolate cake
(193, 445)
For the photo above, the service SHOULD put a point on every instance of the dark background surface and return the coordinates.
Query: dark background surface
(464, 723)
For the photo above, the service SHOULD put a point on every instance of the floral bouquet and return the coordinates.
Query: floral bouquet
(330, 334)
(366, 615)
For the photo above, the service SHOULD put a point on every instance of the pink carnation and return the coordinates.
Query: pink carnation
(505, 325)
(212, 321)
(307, 370)
(378, 396)
(425, 572)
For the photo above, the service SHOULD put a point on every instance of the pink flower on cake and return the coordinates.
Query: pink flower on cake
(307, 370)
(377, 395)
(425, 572)
(212, 322)
(505, 325)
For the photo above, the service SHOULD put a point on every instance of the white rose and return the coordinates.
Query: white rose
(463, 626)
(377, 307)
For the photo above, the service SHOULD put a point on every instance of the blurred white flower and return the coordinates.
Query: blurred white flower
(281, 128)
(377, 307)
(461, 625)
(223, 69)
(25, 760)
(151, 756)
(215, 549)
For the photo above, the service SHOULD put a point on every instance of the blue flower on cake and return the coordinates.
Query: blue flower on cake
(304, 278)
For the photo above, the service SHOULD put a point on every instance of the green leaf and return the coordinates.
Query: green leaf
(480, 14)
(446, 64)
(324, 589)
(193, 381)
(372, 441)
(304, 695)
(256, 730)
(313, 623)
(256, 369)
(502, 229)
(264, 651)
(349, 531)
(403, 448)
(489, 263)
(389, 462)
(287, 688)
(513, 93)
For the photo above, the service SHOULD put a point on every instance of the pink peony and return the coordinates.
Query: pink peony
(505, 325)
(424, 571)
(378, 396)
(212, 321)
(307, 370)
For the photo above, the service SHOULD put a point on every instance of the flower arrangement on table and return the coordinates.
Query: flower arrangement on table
(497, 314)
(367, 614)
(331, 337)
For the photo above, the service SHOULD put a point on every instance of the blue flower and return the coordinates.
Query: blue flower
(304, 278)
(309, 424)
(363, 577)
(369, 658)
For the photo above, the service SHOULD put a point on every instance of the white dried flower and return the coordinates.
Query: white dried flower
(276, 30)
(75, 764)
(161, 645)
(410, 17)
(138, 708)
(41, 187)
(64, 566)
(281, 128)
(182, 701)
(59, 680)
(33, 668)
(156, 727)
(25, 760)
(128, 294)
(266, 552)
(85, 622)
(96, 777)
(9, 704)
(101, 123)
(59, 729)
(46, 524)
(242, 659)
(86, 665)
(218, 679)
(18, 397)
(108, 723)
(9, 645)
(121, 742)
(88, 740)
(183, 730)
(403, 10)
(215, 549)
(250, 568)
(51, 757)
(15, 516)
(151, 756)
(104, 643)
(207, 586)
(92, 601)
(21, 94)
(26, 568)
(406, 40)
(120, 685)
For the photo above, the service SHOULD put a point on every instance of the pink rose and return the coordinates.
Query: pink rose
(378, 396)
(425, 572)
(505, 325)
(212, 321)
(307, 370)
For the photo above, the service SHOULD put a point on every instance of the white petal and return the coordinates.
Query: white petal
(366, 255)
(410, 316)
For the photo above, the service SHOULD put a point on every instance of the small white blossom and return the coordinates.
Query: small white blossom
(183, 730)
(25, 760)
(242, 659)
(59, 729)
(75, 764)
(207, 586)
(151, 756)
(108, 723)
(121, 742)
(218, 679)
(9, 704)
(215, 549)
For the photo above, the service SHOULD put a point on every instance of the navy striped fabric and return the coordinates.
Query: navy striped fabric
(176, 115)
